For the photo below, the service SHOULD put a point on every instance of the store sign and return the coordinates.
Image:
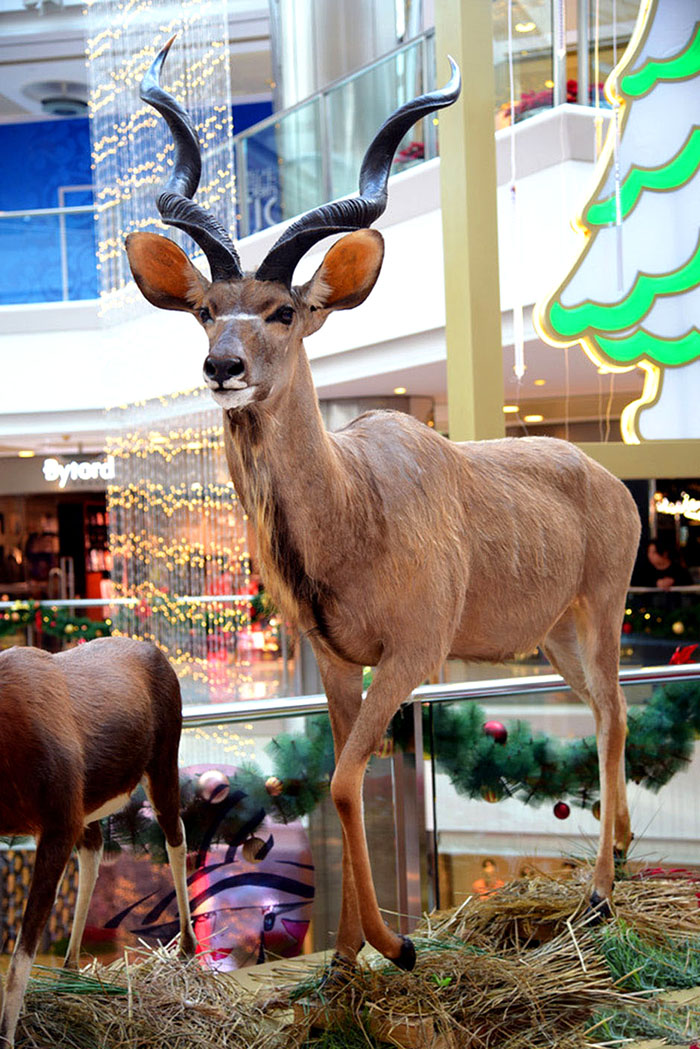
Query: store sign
(92, 470)
(686, 505)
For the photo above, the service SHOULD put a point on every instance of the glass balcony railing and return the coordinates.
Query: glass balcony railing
(48, 255)
(300, 158)
(265, 843)
(296, 160)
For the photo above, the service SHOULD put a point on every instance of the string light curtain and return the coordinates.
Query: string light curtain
(178, 537)
(131, 145)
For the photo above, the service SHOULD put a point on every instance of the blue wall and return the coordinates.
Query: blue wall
(35, 160)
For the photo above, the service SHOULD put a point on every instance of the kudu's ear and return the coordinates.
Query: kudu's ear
(348, 272)
(163, 272)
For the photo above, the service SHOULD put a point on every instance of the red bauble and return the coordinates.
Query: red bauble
(562, 810)
(213, 786)
(626, 628)
(497, 731)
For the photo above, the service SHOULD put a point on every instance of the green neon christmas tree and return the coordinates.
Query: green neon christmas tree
(632, 297)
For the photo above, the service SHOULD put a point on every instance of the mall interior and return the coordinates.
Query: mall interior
(505, 212)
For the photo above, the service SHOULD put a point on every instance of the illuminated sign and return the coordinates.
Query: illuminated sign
(686, 505)
(93, 470)
(632, 296)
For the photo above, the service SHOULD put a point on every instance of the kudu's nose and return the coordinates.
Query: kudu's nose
(219, 369)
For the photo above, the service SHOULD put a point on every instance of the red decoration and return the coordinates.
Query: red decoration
(685, 654)
(595, 809)
(489, 795)
(562, 810)
(497, 731)
(626, 628)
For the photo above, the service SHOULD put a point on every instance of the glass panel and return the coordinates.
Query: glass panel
(479, 845)
(533, 77)
(47, 258)
(283, 167)
(357, 108)
(271, 887)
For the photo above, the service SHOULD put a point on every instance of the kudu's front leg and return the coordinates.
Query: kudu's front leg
(343, 687)
(393, 683)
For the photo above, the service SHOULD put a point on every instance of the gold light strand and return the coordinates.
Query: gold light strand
(177, 530)
(131, 145)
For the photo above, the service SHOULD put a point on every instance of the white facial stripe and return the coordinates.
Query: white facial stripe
(239, 317)
(234, 398)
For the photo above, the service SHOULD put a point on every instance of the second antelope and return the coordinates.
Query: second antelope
(78, 731)
(387, 544)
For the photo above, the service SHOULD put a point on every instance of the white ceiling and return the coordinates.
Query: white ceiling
(45, 41)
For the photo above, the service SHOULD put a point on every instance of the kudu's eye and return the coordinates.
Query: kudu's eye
(205, 316)
(282, 315)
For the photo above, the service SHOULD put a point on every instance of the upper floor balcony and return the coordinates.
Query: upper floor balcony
(299, 158)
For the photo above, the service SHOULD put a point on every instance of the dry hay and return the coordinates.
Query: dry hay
(517, 969)
(533, 910)
(151, 998)
(464, 998)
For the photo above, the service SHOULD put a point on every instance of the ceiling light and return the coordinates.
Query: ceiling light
(540, 382)
(399, 390)
(510, 409)
(524, 27)
(26, 453)
(533, 418)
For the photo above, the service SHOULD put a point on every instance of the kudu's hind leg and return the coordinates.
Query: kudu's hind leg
(587, 653)
(52, 854)
(343, 687)
(89, 858)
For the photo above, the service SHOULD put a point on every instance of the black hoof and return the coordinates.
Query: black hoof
(340, 972)
(407, 955)
(598, 909)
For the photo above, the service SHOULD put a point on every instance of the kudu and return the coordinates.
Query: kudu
(387, 544)
(78, 731)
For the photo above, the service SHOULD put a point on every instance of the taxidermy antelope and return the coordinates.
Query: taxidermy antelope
(78, 731)
(386, 543)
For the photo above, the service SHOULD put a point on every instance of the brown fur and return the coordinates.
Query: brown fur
(78, 729)
(391, 546)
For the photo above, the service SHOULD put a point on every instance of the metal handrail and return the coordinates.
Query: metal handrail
(295, 706)
(73, 209)
(94, 602)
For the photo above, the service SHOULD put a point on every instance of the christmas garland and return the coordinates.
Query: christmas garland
(55, 622)
(217, 808)
(482, 758)
(16, 618)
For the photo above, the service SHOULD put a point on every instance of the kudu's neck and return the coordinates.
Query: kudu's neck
(288, 476)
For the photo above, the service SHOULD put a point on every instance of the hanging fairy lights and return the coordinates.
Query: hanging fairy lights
(131, 145)
(178, 537)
